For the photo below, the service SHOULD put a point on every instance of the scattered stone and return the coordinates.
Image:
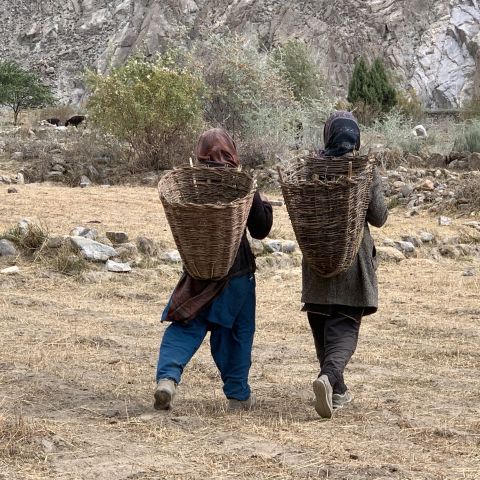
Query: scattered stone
(420, 131)
(406, 190)
(126, 250)
(288, 246)
(388, 242)
(24, 225)
(416, 242)
(427, 185)
(118, 267)
(92, 250)
(20, 178)
(17, 156)
(407, 248)
(12, 190)
(444, 221)
(10, 271)
(90, 233)
(272, 246)
(7, 248)
(427, 237)
(256, 246)
(390, 254)
(85, 181)
(146, 246)
(276, 203)
(469, 272)
(117, 237)
(171, 256)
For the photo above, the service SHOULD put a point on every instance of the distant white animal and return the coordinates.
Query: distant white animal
(420, 131)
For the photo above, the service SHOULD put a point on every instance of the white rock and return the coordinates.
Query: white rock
(10, 270)
(405, 247)
(90, 233)
(85, 181)
(171, 256)
(272, 246)
(7, 248)
(444, 221)
(427, 237)
(17, 156)
(118, 267)
(92, 250)
(390, 254)
(420, 131)
(24, 224)
(20, 178)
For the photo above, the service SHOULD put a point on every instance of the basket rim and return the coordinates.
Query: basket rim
(218, 205)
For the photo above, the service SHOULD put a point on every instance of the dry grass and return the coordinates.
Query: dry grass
(78, 355)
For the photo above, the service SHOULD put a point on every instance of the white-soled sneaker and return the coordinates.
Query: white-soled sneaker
(323, 396)
(164, 394)
(340, 400)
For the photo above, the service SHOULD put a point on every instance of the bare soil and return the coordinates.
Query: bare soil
(78, 356)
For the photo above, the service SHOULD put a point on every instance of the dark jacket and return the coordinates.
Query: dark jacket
(357, 286)
(259, 224)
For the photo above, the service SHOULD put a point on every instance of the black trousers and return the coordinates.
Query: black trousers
(336, 338)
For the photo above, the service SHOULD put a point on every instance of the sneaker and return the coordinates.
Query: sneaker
(164, 394)
(323, 396)
(236, 405)
(340, 400)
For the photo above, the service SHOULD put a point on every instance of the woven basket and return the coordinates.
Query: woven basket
(207, 210)
(327, 200)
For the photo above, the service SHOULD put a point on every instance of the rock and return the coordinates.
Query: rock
(407, 248)
(12, 190)
(85, 181)
(450, 251)
(146, 246)
(127, 250)
(85, 232)
(388, 242)
(276, 203)
(444, 221)
(427, 185)
(272, 246)
(427, 237)
(398, 185)
(117, 237)
(288, 246)
(10, 270)
(406, 190)
(92, 250)
(469, 272)
(7, 248)
(118, 267)
(416, 242)
(55, 175)
(256, 246)
(474, 161)
(420, 131)
(390, 254)
(20, 178)
(24, 225)
(17, 156)
(171, 256)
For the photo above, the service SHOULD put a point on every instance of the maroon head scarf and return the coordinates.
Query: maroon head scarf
(216, 147)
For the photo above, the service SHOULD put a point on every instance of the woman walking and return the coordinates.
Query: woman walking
(226, 307)
(335, 306)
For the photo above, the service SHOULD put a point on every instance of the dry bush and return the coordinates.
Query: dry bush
(67, 262)
(20, 438)
(30, 240)
(468, 194)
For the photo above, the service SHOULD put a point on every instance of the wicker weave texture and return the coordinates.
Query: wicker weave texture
(327, 200)
(207, 210)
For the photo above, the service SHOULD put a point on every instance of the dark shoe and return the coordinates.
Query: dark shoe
(164, 394)
(340, 400)
(323, 396)
(237, 405)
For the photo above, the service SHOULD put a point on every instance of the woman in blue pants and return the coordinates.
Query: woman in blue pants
(225, 308)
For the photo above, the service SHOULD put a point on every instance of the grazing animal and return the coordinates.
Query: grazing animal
(53, 121)
(76, 120)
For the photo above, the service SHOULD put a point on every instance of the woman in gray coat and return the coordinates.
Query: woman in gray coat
(335, 306)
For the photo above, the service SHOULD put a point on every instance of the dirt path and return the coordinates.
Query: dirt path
(77, 362)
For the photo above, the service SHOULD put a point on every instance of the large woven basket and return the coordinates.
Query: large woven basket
(207, 210)
(327, 200)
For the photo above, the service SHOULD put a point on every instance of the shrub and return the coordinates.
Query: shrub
(370, 90)
(152, 105)
(30, 239)
(20, 89)
(469, 139)
(297, 66)
(409, 105)
(472, 109)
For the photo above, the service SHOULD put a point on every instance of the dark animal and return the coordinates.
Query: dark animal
(53, 121)
(76, 120)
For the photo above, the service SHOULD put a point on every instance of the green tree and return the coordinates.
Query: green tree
(370, 89)
(296, 64)
(20, 89)
(154, 106)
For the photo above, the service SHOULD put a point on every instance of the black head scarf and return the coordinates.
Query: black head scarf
(341, 134)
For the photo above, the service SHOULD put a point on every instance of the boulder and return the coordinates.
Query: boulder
(171, 256)
(420, 131)
(118, 267)
(390, 254)
(7, 248)
(92, 250)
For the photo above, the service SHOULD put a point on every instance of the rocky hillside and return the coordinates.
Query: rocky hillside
(433, 45)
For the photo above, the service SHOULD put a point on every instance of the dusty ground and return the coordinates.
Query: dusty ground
(77, 362)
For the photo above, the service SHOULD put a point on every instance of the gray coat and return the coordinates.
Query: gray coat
(357, 286)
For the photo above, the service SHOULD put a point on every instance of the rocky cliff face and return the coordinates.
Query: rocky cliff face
(432, 45)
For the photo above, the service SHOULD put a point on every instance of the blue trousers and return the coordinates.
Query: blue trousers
(231, 338)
